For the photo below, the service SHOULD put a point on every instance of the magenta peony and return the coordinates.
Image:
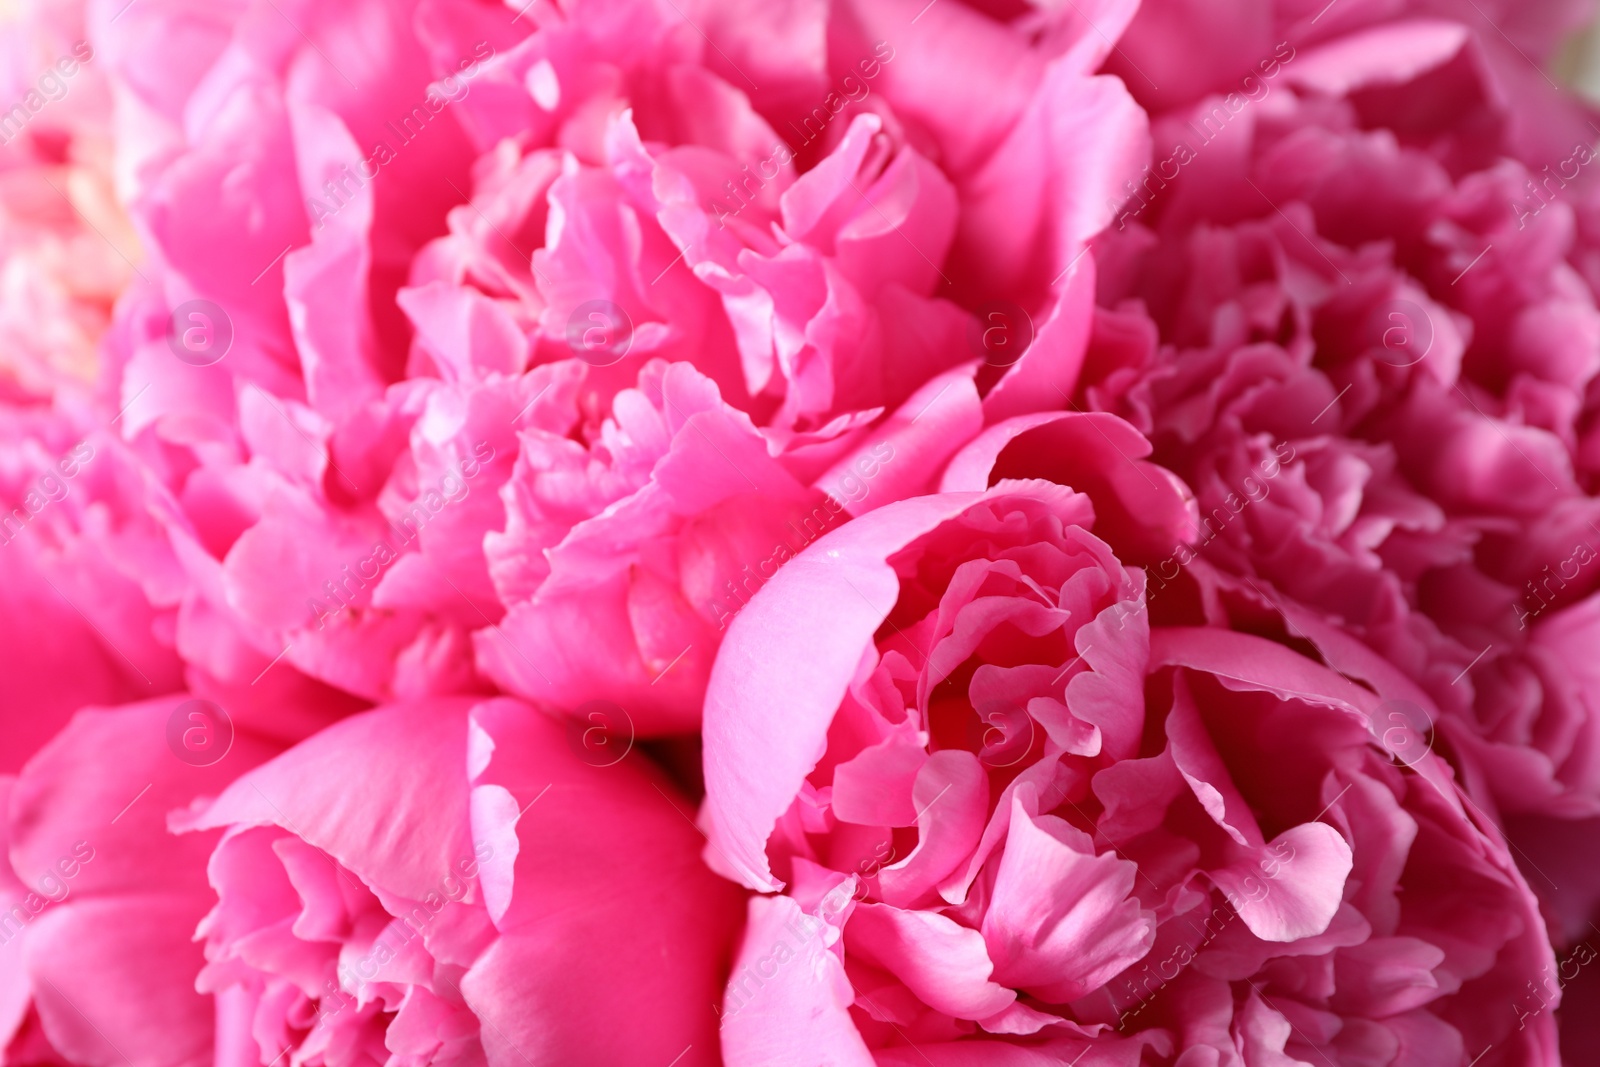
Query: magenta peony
(1401, 332)
(1013, 822)
(1354, 306)
(525, 365)
(404, 917)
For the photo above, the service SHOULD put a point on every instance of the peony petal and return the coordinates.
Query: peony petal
(1062, 920)
(944, 964)
(404, 830)
(1298, 900)
(823, 608)
(788, 1003)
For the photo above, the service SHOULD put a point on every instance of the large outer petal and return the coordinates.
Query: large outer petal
(616, 939)
(384, 793)
(113, 965)
(794, 1012)
(785, 665)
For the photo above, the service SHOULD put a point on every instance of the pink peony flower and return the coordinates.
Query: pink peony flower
(1375, 367)
(450, 883)
(525, 363)
(1355, 309)
(1005, 818)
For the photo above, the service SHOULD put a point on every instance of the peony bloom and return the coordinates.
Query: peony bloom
(1374, 360)
(517, 352)
(1002, 817)
(1354, 306)
(452, 883)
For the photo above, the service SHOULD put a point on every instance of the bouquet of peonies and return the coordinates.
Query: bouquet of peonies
(818, 533)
